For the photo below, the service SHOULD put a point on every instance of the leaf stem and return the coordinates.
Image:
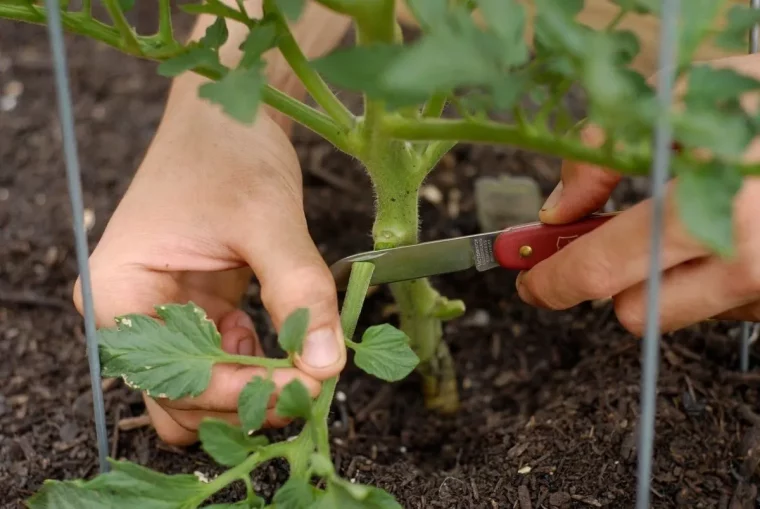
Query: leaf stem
(482, 131)
(165, 31)
(87, 8)
(128, 37)
(435, 106)
(313, 82)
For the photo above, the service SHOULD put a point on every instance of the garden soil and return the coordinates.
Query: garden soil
(550, 400)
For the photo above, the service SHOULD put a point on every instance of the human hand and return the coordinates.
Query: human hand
(213, 202)
(613, 260)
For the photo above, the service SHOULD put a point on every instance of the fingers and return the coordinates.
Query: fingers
(583, 188)
(690, 293)
(608, 260)
(293, 275)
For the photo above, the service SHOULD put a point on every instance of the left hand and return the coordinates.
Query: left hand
(613, 260)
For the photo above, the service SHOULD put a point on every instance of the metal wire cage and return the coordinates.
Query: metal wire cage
(659, 175)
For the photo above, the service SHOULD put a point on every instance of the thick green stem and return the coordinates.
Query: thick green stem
(421, 307)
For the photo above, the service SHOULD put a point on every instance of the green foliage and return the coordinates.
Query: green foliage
(253, 402)
(294, 401)
(294, 494)
(385, 353)
(706, 201)
(293, 331)
(238, 93)
(229, 445)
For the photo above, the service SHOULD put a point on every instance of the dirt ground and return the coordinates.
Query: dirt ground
(549, 400)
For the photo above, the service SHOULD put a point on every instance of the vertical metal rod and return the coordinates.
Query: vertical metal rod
(663, 137)
(55, 32)
(754, 42)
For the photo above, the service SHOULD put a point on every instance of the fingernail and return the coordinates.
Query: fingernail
(246, 347)
(320, 349)
(244, 321)
(553, 198)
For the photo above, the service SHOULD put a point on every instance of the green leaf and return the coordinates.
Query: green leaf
(724, 133)
(253, 401)
(260, 39)
(294, 494)
(194, 56)
(70, 495)
(126, 5)
(385, 353)
(347, 495)
(557, 31)
(697, 19)
(293, 331)
(216, 34)
(705, 201)
(227, 444)
(506, 18)
(709, 85)
(321, 464)
(292, 9)
(358, 68)
(739, 21)
(168, 361)
(126, 485)
(294, 401)
(430, 14)
(238, 93)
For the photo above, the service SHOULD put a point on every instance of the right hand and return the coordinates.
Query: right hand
(213, 203)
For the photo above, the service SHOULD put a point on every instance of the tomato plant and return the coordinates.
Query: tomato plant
(477, 69)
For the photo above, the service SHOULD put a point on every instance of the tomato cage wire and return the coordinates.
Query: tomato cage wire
(659, 176)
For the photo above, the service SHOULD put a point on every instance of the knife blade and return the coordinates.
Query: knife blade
(515, 248)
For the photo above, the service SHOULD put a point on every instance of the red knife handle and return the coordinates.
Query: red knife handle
(523, 247)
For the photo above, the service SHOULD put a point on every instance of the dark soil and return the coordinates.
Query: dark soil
(549, 400)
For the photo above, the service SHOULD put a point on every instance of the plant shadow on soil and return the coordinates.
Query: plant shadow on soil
(549, 400)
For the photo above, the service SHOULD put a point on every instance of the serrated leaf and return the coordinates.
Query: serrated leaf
(294, 494)
(126, 485)
(697, 18)
(293, 331)
(227, 444)
(709, 85)
(385, 353)
(253, 401)
(260, 39)
(430, 14)
(216, 34)
(739, 21)
(506, 18)
(294, 401)
(194, 56)
(168, 361)
(291, 9)
(705, 200)
(557, 30)
(358, 68)
(238, 93)
(724, 133)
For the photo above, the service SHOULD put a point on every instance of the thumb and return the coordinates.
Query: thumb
(293, 275)
(583, 188)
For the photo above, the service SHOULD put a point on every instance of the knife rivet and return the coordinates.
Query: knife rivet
(525, 251)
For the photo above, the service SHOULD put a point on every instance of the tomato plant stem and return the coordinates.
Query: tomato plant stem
(165, 31)
(128, 37)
